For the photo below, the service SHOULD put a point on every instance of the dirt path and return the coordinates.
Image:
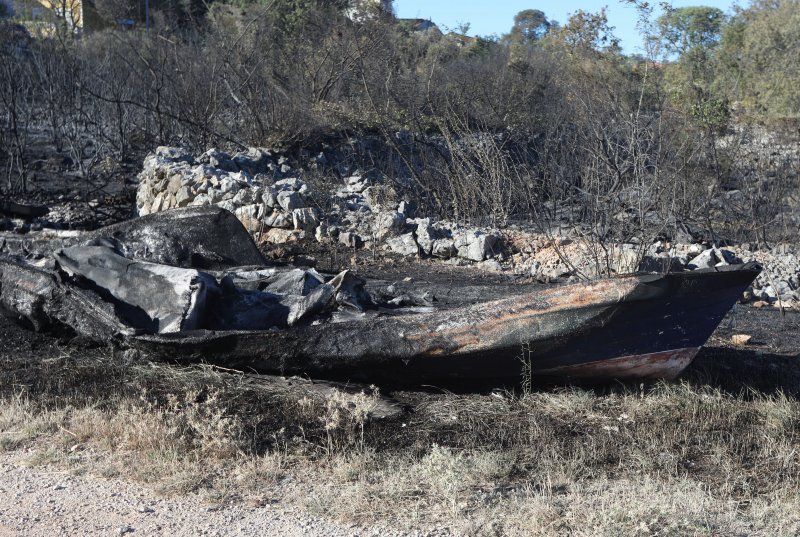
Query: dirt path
(45, 502)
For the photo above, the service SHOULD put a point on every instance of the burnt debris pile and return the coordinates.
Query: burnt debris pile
(188, 269)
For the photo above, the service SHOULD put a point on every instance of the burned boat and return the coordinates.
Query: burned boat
(163, 286)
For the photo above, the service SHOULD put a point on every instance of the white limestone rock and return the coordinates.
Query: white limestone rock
(305, 218)
(404, 245)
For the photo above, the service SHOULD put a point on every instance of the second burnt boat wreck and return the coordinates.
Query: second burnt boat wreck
(190, 285)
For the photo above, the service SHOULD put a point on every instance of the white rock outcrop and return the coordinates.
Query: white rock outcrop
(365, 210)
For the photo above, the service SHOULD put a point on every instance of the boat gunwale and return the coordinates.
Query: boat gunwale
(201, 336)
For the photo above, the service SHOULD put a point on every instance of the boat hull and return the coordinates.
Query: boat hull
(647, 326)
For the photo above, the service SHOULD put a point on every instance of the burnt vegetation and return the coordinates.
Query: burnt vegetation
(550, 123)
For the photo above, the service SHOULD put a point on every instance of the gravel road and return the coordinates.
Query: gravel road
(45, 502)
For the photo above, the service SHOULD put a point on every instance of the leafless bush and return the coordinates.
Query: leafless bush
(563, 134)
(17, 112)
(617, 180)
(753, 196)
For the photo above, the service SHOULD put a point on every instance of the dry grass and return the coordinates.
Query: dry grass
(669, 459)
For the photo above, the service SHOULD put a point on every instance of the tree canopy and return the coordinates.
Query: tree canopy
(758, 62)
(530, 25)
(685, 28)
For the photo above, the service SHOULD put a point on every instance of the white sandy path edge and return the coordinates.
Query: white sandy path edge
(48, 502)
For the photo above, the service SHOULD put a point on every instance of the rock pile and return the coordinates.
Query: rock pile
(777, 285)
(255, 187)
(549, 260)
(368, 211)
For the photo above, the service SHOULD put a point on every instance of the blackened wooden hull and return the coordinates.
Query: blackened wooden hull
(645, 326)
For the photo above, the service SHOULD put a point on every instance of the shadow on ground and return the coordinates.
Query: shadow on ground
(769, 363)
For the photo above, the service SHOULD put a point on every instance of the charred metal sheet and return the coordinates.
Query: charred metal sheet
(41, 298)
(208, 238)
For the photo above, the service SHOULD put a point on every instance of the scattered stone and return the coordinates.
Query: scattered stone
(425, 234)
(747, 296)
(229, 187)
(783, 287)
(292, 183)
(246, 196)
(351, 239)
(218, 159)
(403, 208)
(253, 161)
(174, 154)
(183, 197)
(741, 339)
(250, 217)
(705, 259)
(491, 265)
(290, 200)
(444, 248)
(388, 225)
(404, 245)
(174, 184)
(306, 219)
(321, 233)
(278, 219)
(281, 236)
(625, 261)
(769, 294)
(476, 245)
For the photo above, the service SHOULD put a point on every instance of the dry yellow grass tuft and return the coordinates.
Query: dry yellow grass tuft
(665, 459)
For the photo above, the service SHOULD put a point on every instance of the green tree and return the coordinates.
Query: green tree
(588, 31)
(693, 34)
(758, 64)
(291, 15)
(530, 25)
(686, 28)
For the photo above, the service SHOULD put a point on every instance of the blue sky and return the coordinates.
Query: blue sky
(487, 17)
